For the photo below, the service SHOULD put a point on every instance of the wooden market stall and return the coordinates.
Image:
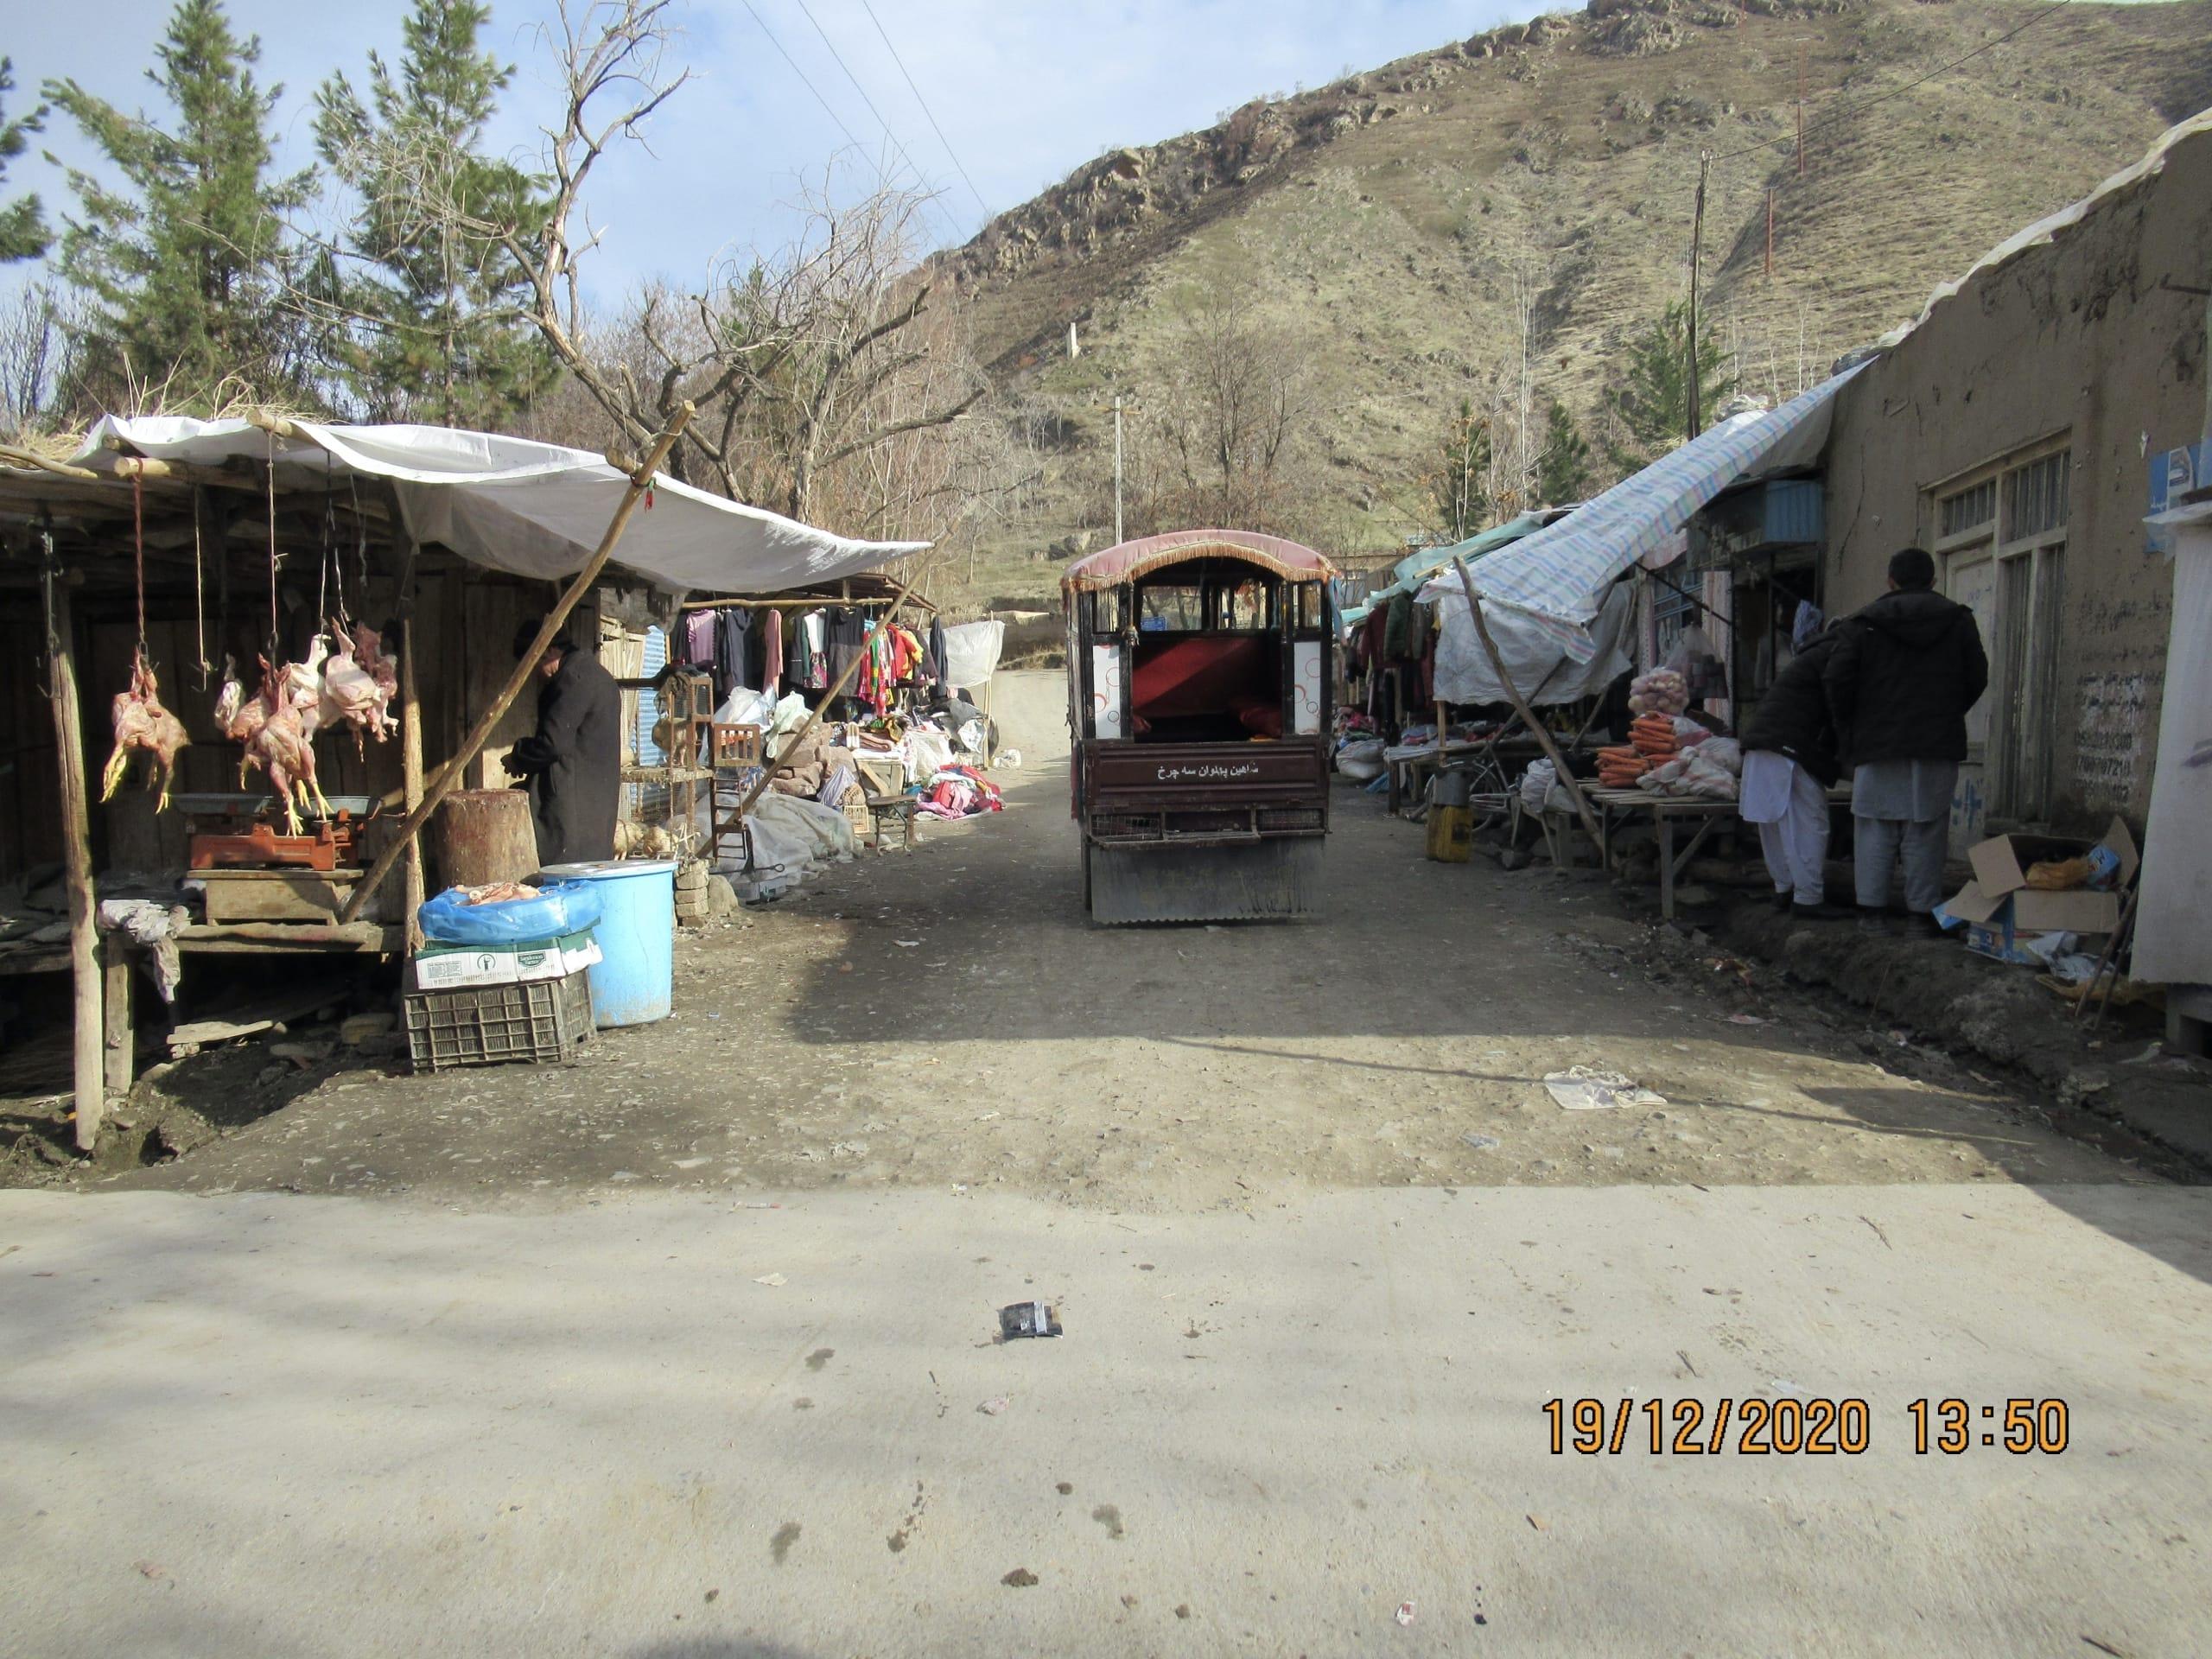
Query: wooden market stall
(189, 546)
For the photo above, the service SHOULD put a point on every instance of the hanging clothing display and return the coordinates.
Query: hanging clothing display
(698, 638)
(730, 666)
(771, 649)
(933, 669)
(848, 633)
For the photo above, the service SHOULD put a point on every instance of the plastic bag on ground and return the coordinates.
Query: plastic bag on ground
(559, 909)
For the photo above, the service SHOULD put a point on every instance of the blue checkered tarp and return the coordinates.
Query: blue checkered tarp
(1559, 575)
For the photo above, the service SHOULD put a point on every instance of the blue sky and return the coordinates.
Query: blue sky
(1024, 90)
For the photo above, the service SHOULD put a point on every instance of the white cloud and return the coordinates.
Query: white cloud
(1025, 89)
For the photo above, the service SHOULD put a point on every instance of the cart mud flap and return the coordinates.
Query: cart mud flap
(1251, 881)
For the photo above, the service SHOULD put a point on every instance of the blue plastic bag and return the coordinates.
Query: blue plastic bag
(561, 908)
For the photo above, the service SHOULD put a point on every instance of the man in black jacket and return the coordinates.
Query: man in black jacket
(1789, 761)
(574, 760)
(1899, 683)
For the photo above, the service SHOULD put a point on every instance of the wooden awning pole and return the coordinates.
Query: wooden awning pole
(1521, 707)
(640, 481)
(90, 1050)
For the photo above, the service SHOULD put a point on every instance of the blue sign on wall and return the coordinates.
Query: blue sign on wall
(2174, 474)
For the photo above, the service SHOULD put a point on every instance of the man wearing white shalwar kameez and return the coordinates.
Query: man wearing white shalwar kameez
(1789, 761)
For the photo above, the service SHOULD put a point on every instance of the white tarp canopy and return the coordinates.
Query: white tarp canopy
(1560, 575)
(1541, 668)
(2173, 918)
(515, 505)
(971, 652)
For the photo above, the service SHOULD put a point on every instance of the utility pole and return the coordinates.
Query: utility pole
(1802, 55)
(1697, 247)
(1117, 469)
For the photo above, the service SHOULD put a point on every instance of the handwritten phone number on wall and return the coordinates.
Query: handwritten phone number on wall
(1790, 1427)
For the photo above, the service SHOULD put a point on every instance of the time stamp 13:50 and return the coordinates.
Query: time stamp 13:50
(1752, 1427)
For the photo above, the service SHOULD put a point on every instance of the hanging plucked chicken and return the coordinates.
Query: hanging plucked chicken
(359, 682)
(273, 726)
(141, 724)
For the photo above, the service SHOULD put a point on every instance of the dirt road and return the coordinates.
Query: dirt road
(687, 1352)
(949, 1018)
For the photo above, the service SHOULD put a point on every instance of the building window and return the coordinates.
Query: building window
(1969, 510)
(2001, 544)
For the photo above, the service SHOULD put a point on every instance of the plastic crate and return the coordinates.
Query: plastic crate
(540, 1021)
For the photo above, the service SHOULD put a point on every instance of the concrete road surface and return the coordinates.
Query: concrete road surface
(681, 1425)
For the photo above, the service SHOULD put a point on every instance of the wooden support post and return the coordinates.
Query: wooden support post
(119, 1034)
(640, 481)
(1528, 716)
(90, 1066)
(411, 731)
(411, 770)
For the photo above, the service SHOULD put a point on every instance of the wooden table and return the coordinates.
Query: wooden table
(1617, 805)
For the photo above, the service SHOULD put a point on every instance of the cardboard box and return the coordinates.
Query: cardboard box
(2001, 909)
(449, 967)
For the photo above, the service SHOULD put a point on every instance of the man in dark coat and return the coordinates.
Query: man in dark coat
(574, 760)
(1899, 683)
(1789, 761)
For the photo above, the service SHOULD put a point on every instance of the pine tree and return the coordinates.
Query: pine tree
(24, 234)
(1563, 469)
(438, 335)
(1653, 403)
(1462, 503)
(185, 265)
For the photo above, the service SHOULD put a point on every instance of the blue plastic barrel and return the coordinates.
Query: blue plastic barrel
(633, 983)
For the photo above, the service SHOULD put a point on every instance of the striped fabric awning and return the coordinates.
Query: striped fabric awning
(1560, 574)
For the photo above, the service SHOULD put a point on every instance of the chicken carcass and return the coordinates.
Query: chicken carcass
(358, 682)
(303, 685)
(279, 745)
(237, 717)
(141, 722)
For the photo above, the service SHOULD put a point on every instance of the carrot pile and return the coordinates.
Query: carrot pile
(1653, 735)
(1619, 768)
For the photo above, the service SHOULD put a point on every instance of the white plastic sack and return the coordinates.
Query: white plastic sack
(1362, 762)
(744, 707)
(1537, 784)
(928, 753)
(1724, 752)
(791, 714)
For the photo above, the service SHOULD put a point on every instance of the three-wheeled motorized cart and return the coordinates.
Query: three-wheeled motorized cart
(1198, 677)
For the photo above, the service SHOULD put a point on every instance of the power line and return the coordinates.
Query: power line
(926, 110)
(919, 175)
(1899, 92)
(804, 81)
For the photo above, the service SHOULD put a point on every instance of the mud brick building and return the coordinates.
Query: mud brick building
(2021, 431)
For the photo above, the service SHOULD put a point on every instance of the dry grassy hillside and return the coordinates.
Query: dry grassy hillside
(1387, 222)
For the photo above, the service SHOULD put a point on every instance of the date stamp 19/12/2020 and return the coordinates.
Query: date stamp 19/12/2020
(1753, 1426)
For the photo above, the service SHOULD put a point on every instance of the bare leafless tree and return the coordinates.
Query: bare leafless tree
(809, 366)
(34, 360)
(1218, 436)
